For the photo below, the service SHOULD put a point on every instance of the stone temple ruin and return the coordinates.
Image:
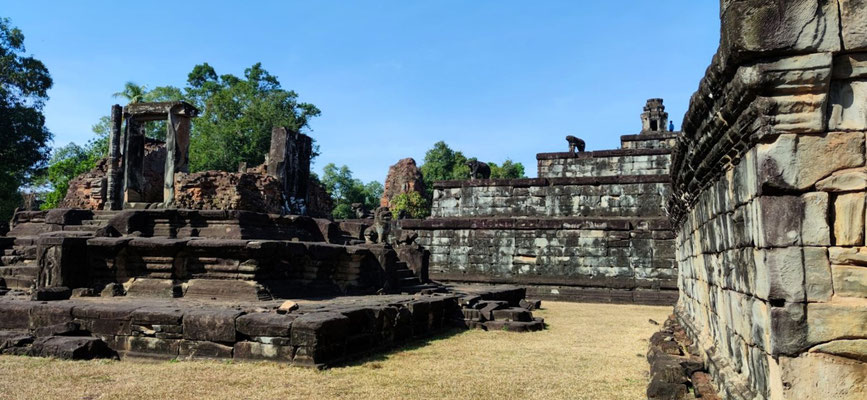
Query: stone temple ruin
(752, 219)
(162, 263)
(591, 227)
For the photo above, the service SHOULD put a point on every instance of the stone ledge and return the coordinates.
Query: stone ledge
(565, 283)
(617, 224)
(543, 182)
(649, 136)
(603, 153)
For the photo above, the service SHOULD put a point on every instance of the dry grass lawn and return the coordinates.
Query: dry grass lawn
(589, 351)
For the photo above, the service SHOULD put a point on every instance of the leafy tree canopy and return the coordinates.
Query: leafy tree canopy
(24, 84)
(345, 190)
(410, 205)
(442, 163)
(66, 163)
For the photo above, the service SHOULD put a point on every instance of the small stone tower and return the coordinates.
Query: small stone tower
(654, 119)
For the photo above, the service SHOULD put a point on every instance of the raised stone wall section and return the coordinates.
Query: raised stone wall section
(769, 188)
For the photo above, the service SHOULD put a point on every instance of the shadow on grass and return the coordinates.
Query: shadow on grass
(383, 353)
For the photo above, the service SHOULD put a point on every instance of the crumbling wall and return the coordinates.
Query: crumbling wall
(403, 177)
(769, 186)
(218, 190)
(90, 189)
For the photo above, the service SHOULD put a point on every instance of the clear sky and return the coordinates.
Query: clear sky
(494, 79)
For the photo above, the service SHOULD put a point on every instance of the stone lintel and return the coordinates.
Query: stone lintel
(159, 111)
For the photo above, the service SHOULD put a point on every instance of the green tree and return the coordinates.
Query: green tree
(237, 116)
(24, 84)
(509, 170)
(66, 163)
(441, 163)
(345, 190)
(411, 205)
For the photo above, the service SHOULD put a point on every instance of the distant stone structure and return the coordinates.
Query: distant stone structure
(144, 173)
(591, 227)
(403, 177)
(201, 265)
(768, 200)
(479, 170)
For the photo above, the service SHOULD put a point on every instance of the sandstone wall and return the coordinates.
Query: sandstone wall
(635, 161)
(614, 196)
(579, 259)
(768, 202)
(592, 227)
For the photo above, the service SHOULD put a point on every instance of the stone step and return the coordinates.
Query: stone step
(81, 228)
(420, 287)
(404, 273)
(94, 222)
(411, 281)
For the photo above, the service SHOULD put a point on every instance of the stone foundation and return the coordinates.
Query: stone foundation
(591, 227)
(311, 334)
(768, 203)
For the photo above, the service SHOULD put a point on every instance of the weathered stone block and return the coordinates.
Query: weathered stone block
(14, 315)
(150, 347)
(260, 351)
(849, 281)
(780, 274)
(849, 219)
(781, 220)
(848, 108)
(790, 161)
(830, 321)
(71, 348)
(265, 324)
(788, 329)
(849, 180)
(754, 27)
(817, 274)
(210, 325)
(320, 337)
(198, 350)
(50, 314)
(854, 23)
(815, 230)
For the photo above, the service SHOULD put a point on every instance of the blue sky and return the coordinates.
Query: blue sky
(494, 79)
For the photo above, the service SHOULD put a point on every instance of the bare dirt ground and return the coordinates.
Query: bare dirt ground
(589, 351)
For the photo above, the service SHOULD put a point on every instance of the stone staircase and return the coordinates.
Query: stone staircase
(407, 282)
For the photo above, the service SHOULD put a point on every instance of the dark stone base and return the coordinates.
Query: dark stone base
(580, 294)
(318, 333)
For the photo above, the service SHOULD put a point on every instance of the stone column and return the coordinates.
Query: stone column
(178, 151)
(133, 157)
(114, 159)
(289, 162)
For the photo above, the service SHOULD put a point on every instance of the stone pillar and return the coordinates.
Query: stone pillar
(178, 150)
(133, 158)
(114, 200)
(289, 162)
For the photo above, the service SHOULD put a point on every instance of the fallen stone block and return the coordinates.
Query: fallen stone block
(517, 314)
(51, 294)
(71, 348)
